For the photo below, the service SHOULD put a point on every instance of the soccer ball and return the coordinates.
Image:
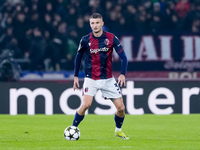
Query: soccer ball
(72, 133)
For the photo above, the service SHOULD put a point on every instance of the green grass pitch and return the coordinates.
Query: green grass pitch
(146, 132)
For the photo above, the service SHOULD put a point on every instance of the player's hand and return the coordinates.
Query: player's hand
(121, 80)
(76, 83)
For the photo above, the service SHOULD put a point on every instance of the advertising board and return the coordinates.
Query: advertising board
(140, 97)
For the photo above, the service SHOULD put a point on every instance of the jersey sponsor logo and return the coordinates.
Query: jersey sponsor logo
(104, 49)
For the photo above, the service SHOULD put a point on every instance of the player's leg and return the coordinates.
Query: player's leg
(111, 90)
(119, 117)
(89, 90)
(120, 114)
(87, 101)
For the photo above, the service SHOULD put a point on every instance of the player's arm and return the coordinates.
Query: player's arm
(77, 64)
(124, 62)
(76, 83)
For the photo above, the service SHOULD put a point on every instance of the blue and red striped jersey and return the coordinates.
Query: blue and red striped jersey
(97, 53)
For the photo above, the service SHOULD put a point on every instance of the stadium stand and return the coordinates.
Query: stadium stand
(44, 35)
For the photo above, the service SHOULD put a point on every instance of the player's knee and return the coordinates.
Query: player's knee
(121, 109)
(86, 105)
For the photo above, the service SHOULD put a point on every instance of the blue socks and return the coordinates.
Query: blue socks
(118, 121)
(77, 119)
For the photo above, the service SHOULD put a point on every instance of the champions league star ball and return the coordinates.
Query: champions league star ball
(72, 133)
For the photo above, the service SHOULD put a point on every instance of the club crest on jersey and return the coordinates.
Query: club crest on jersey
(106, 41)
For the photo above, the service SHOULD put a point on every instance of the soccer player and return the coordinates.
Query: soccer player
(97, 48)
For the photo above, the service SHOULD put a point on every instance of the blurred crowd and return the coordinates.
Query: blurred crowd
(47, 32)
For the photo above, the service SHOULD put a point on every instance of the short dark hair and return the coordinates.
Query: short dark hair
(95, 16)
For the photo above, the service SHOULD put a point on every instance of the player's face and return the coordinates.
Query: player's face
(96, 24)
